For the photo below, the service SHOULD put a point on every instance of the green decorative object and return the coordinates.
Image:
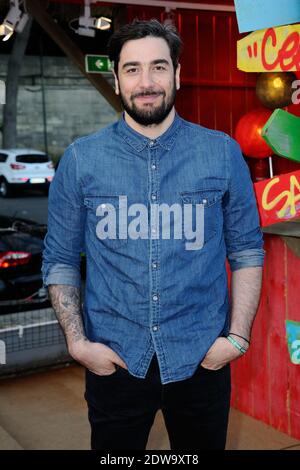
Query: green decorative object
(282, 134)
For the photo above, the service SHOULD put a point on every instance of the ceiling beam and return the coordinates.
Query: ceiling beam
(37, 9)
(173, 5)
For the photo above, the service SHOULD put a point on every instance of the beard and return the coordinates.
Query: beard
(151, 114)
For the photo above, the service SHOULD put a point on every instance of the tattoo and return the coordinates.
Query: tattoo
(66, 303)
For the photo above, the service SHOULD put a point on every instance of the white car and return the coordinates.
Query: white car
(24, 168)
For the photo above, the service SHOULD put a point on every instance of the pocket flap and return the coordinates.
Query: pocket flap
(210, 192)
(105, 202)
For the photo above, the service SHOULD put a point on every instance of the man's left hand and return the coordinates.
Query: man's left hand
(220, 353)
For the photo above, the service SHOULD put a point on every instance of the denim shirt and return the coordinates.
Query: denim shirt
(151, 294)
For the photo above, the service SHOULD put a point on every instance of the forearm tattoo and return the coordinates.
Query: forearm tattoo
(66, 304)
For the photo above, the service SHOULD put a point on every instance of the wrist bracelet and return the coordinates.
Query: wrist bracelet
(236, 344)
(235, 334)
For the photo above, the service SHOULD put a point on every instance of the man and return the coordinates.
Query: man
(154, 331)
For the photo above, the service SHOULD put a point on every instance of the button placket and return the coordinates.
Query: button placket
(154, 238)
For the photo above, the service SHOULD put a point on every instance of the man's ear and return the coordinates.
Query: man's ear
(117, 90)
(177, 77)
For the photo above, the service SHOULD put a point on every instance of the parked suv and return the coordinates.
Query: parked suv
(24, 168)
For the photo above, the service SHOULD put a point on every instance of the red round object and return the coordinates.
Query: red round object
(248, 133)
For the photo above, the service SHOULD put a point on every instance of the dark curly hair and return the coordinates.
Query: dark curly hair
(140, 29)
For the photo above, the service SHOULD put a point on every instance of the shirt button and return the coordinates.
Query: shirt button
(153, 197)
(151, 143)
(154, 265)
(204, 201)
(155, 328)
(153, 166)
(155, 297)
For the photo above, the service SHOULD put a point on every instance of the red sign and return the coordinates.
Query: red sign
(278, 198)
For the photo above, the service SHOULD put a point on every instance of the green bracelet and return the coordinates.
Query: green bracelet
(236, 344)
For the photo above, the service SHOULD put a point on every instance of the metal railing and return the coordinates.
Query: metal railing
(31, 340)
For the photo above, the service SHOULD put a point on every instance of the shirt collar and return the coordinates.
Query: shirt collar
(139, 141)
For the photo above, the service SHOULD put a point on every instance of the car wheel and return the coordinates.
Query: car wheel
(5, 189)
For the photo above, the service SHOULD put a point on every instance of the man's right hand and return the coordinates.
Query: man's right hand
(97, 357)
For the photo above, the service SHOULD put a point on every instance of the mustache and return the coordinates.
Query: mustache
(148, 93)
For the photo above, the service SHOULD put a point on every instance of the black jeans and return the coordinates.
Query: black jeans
(122, 409)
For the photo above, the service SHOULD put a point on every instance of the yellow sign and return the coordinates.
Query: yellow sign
(268, 50)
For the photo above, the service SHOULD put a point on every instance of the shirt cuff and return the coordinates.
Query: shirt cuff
(62, 274)
(246, 258)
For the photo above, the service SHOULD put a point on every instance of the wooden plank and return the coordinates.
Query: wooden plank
(278, 198)
(275, 333)
(270, 50)
(208, 107)
(260, 14)
(206, 46)
(243, 386)
(259, 374)
(222, 42)
(37, 10)
(223, 111)
(241, 371)
(190, 30)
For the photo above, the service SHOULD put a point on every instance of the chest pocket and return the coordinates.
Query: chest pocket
(210, 197)
(106, 220)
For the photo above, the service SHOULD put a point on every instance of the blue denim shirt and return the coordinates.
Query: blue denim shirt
(151, 294)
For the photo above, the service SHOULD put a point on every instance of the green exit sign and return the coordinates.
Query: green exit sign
(97, 64)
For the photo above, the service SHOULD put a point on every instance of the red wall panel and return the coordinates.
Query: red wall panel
(293, 370)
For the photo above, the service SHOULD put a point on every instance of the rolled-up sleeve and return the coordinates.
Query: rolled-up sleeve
(242, 232)
(64, 240)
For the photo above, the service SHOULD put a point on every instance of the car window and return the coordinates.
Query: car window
(3, 157)
(32, 158)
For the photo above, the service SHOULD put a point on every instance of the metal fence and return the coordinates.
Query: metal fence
(30, 340)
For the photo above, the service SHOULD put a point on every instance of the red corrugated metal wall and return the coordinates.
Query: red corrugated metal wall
(216, 94)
